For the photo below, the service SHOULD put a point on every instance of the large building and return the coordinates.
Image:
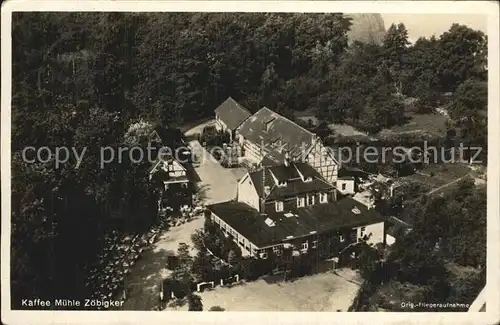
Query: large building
(229, 116)
(266, 137)
(291, 206)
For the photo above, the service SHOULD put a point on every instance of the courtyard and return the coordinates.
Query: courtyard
(320, 292)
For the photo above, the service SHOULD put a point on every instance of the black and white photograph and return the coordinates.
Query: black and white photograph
(250, 160)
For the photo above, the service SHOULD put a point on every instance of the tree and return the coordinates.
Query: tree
(463, 54)
(203, 266)
(194, 302)
(396, 55)
(466, 286)
(182, 272)
(469, 114)
(424, 58)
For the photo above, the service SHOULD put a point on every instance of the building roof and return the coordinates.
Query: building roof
(232, 113)
(281, 133)
(319, 218)
(170, 137)
(290, 174)
(268, 161)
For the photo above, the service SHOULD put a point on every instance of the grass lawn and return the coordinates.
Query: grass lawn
(439, 175)
(345, 130)
(425, 123)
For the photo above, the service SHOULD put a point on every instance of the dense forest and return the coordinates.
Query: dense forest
(81, 79)
(443, 258)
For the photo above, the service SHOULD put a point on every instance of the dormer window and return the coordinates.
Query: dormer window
(268, 123)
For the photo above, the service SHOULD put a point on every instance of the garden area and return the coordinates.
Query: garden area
(219, 145)
(217, 258)
(436, 175)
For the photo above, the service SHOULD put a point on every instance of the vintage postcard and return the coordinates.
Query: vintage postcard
(322, 162)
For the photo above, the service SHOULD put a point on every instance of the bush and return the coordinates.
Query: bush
(211, 137)
(216, 308)
(172, 262)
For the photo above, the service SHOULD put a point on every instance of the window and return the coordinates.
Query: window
(282, 184)
(304, 246)
(300, 202)
(344, 186)
(323, 198)
(277, 250)
(308, 179)
(342, 239)
(314, 244)
(362, 232)
(310, 200)
(263, 254)
(279, 206)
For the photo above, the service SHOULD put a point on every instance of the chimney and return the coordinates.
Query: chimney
(287, 159)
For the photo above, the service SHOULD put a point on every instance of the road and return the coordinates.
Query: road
(447, 184)
(218, 185)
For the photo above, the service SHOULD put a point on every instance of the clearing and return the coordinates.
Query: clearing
(434, 124)
(436, 176)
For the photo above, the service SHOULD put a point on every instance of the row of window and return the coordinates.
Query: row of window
(301, 201)
(277, 250)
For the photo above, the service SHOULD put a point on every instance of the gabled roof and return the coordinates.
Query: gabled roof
(281, 133)
(170, 137)
(232, 113)
(285, 173)
(316, 218)
(290, 174)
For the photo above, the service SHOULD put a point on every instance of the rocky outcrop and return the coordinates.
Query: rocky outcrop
(366, 28)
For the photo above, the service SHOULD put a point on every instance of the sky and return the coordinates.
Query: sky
(428, 24)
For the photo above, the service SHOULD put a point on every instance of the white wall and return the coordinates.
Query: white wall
(376, 230)
(349, 186)
(175, 170)
(247, 192)
(252, 151)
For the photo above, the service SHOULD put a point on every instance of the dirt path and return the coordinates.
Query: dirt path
(447, 184)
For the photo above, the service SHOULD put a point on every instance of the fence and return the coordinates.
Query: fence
(173, 289)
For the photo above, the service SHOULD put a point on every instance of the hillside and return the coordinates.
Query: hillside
(367, 28)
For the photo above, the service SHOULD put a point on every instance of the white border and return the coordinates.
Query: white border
(133, 317)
